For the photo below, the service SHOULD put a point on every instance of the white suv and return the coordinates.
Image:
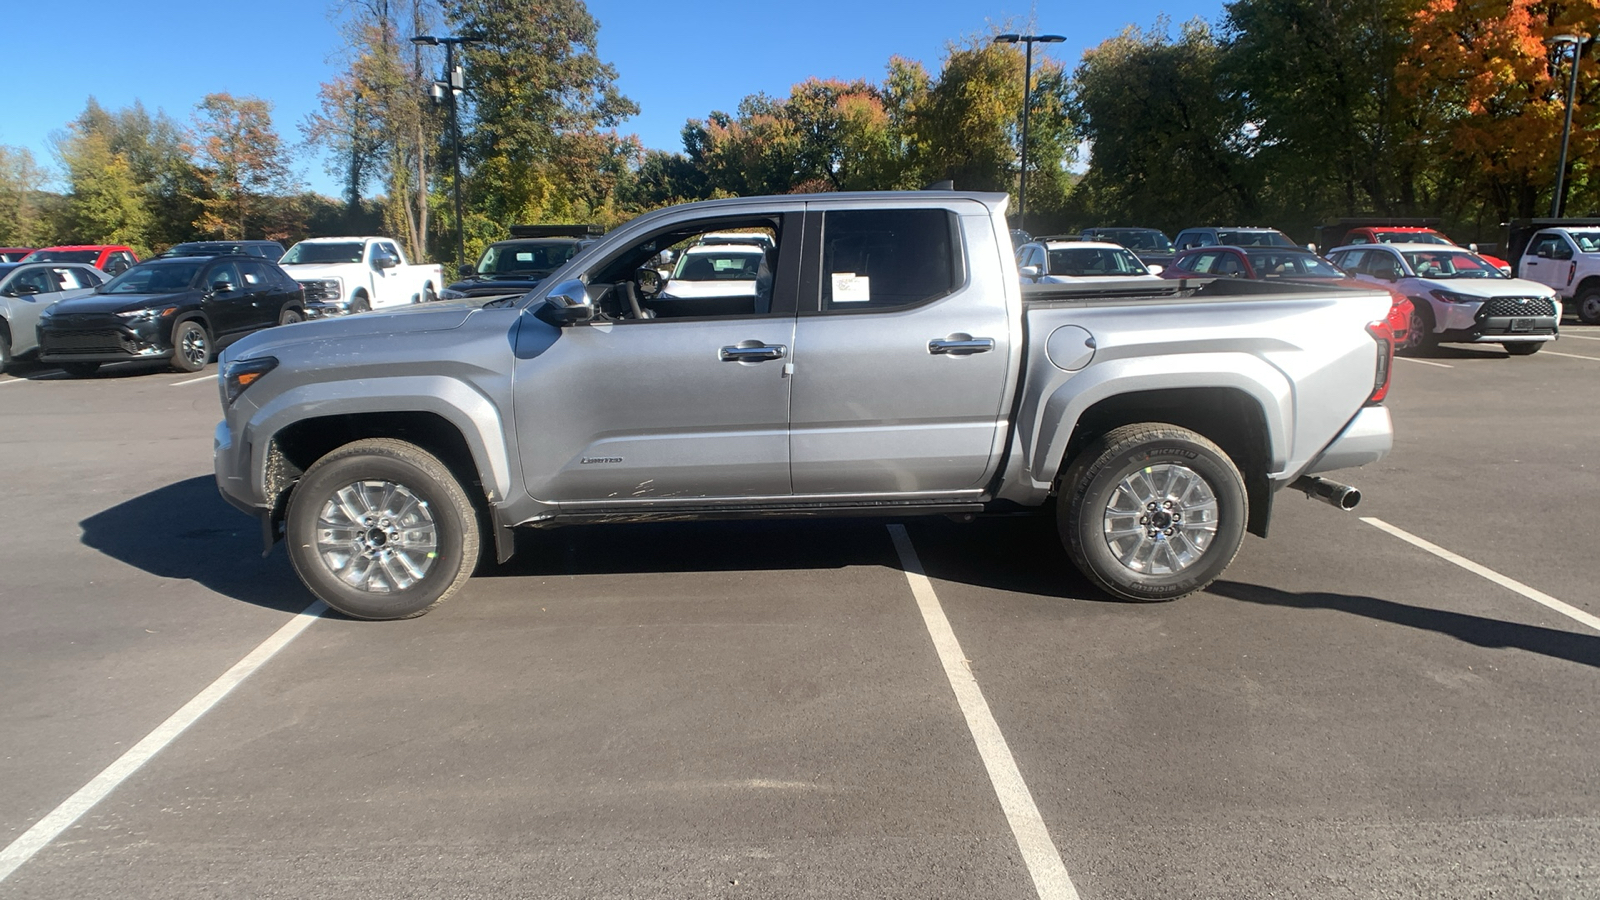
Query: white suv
(1457, 296)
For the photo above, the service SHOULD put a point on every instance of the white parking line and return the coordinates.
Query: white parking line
(1426, 362)
(1039, 853)
(1537, 596)
(61, 818)
(1570, 355)
(1567, 335)
(211, 377)
(12, 380)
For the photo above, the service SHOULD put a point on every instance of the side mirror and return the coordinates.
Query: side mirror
(22, 290)
(467, 270)
(1030, 271)
(385, 261)
(1473, 247)
(649, 280)
(666, 257)
(221, 287)
(1312, 246)
(567, 303)
(1156, 270)
(1543, 252)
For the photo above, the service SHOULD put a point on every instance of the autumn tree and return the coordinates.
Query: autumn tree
(243, 162)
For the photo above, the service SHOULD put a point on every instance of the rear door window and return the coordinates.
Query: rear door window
(881, 259)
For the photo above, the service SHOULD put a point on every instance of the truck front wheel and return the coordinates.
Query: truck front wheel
(1589, 306)
(380, 529)
(1152, 512)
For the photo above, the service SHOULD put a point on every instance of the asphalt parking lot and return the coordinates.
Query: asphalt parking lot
(773, 710)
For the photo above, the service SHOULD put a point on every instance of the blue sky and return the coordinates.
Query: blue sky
(677, 61)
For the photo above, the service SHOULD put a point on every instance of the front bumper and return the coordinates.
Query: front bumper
(105, 341)
(1504, 320)
(231, 461)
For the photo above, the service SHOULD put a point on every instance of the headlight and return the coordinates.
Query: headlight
(1453, 297)
(333, 288)
(451, 294)
(240, 374)
(147, 315)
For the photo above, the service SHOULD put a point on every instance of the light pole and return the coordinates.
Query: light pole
(450, 88)
(1578, 42)
(1027, 94)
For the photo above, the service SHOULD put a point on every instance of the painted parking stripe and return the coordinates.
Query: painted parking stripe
(1425, 362)
(1567, 335)
(12, 380)
(1570, 356)
(1039, 853)
(61, 818)
(1511, 584)
(211, 377)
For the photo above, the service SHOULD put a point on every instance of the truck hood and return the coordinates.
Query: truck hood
(306, 271)
(441, 315)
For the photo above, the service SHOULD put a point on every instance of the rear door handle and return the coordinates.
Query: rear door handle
(753, 351)
(960, 346)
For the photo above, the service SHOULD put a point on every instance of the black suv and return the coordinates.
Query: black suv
(179, 308)
(271, 250)
(519, 265)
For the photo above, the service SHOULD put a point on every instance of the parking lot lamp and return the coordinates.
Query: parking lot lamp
(1028, 40)
(1578, 42)
(448, 89)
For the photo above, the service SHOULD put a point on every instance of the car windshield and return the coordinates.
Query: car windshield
(1282, 264)
(1084, 261)
(1444, 264)
(723, 264)
(524, 259)
(88, 256)
(306, 253)
(1137, 239)
(1414, 237)
(1253, 239)
(1587, 241)
(168, 278)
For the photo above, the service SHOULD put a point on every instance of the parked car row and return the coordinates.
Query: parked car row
(1442, 292)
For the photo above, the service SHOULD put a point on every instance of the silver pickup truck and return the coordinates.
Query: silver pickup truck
(881, 358)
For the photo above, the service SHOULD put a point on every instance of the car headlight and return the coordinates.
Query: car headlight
(240, 374)
(452, 294)
(147, 315)
(1453, 297)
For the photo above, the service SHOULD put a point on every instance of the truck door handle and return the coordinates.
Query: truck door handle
(753, 351)
(960, 345)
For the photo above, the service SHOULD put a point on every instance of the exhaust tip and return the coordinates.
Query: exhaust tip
(1332, 493)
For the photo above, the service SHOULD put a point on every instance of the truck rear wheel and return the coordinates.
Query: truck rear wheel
(1152, 512)
(1589, 306)
(380, 529)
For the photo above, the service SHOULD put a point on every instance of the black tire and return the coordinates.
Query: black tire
(380, 464)
(80, 369)
(1523, 348)
(1587, 306)
(191, 346)
(359, 304)
(1094, 481)
(1421, 339)
(5, 350)
(290, 315)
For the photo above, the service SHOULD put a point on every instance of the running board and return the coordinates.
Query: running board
(764, 511)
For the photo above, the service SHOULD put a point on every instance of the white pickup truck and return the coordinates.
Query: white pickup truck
(1567, 259)
(354, 274)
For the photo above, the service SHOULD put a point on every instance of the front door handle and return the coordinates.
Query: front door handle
(960, 345)
(753, 351)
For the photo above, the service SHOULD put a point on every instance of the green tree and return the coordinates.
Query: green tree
(23, 219)
(106, 201)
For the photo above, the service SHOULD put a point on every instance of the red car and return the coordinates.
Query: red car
(1283, 264)
(112, 259)
(14, 254)
(1410, 235)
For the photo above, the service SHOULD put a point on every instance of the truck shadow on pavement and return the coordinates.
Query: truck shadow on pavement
(1493, 634)
(185, 530)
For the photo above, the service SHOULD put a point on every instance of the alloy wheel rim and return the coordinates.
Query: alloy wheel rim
(194, 347)
(377, 536)
(1161, 519)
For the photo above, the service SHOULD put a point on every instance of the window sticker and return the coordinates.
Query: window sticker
(848, 287)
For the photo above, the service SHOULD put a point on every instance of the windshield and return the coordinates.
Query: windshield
(1444, 264)
(1253, 239)
(306, 253)
(525, 260)
(153, 279)
(1137, 239)
(1414, 237)
(86, 256)
(1082, 261)
(1280, 264)
(729, 264)
(1587, 241)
